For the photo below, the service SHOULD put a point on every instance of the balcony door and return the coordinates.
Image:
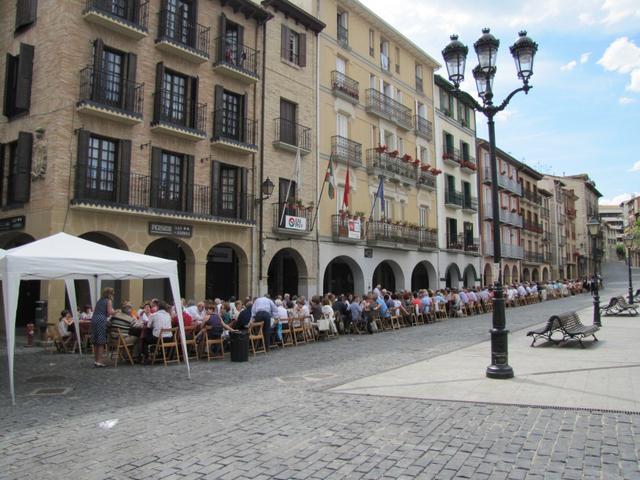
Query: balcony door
(452, 231)
(112, 76)
(468, 233)
(180, 22)
(228, 191)
(466, 192)
(174, 98)
(288, 126)
(232, 105)
(341, 65)
(101, 169)
(170, 188)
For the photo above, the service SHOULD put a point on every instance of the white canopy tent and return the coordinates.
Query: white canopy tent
(65, 257)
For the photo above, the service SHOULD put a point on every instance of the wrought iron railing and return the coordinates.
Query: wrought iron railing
(424, 128)
(506, 216)
(387, 107)
(294, 218)
(343, 35)
(533, 257)
(109, 90)
(451, 154)
(426, 179)
(143, 192)
(134, 13)
(385, 163)
(470, 203)
(344, 84)
(469, 163)
(348, 229)
(237, 56)
(532, 196)
(506, 250)
(183, 31)
(503, 181)
(451, 197)
(292, 133)
(178, 110)
(229, 126)
(533, 226)
(346, 150)
(386, 231)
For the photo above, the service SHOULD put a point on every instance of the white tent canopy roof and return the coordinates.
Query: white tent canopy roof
(65, 257)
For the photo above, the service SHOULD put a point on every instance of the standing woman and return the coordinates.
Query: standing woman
(102, 312)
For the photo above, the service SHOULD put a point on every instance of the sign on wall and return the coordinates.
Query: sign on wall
(12, 223)
(170, 230)
(295, 223)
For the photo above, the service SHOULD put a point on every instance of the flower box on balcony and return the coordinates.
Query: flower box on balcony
(407, 158)
(394, 154)
(425, 168)
(381, 148)
(447, 155)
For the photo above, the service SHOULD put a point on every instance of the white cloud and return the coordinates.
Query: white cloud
(618, 11)
(584, 58)
(506, 115)
(626, 100)
(636, 167)
(569, 66)
(617, 200)
(623, 56)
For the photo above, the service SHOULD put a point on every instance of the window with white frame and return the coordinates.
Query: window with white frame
(401, 146)
(384, 55)
(422, 219)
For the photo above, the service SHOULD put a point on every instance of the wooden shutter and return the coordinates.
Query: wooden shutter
(302, 40)
(2, 149)
(215, 187)
(23, 170)
(25, 75)
(81, 162)
(188, 181)
(156, 166)
(284, 46)
(157, 96)
(25, 13)
(245, 129)
(9, 94)
(193, 100)
(98, 80)
(223, 34)
(240, 39)
(123, 172)
(218, 100)
(131, 60)
(134, 13)
(241, 192)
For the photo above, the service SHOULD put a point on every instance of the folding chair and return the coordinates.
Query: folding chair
(297, 330)
(309, 330)
(169, 344)
(395, 322)
(207, 342)
(256, 338)
(190, 340)
(287, 334)
(120, 346)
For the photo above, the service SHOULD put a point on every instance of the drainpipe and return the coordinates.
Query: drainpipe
(319, 288)
(262, 106)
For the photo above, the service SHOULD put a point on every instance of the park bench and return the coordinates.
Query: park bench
(611, 308)
(546, 331)
(568, 324)
(625, 307)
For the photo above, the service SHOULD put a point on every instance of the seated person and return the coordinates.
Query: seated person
(128, 326)
(244, 318)
(328, 314)
(66, 320)
(159, 320)
(87, 313)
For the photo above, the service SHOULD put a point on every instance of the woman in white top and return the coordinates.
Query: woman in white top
(327, 314)
(157, 321)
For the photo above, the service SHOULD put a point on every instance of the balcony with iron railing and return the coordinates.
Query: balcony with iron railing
(533, 227)
(533, 257)
(468, 164)
(504, 181)
(106, 95)
(345, 150)
(183, 37)
(506, 216)
(428, 239)
(177, 115)
(424, 128)
(532, 197)
(391, 167)
(453, 199)
(348, 230)
(544, 212)
(345, 87)
(472, 245)
(426, 180)
(451, 156)
(236, 60)
(506, 250)
(233, 132)
(343, 36)
(470, 203)
(129, 191)
(294, 219)
(128, 17)
(386, 233)
(290, 135)
(389, 109)
(463, 243)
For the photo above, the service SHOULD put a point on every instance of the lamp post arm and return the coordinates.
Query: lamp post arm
(506, 101)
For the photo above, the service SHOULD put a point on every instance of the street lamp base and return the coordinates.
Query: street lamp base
(500, 372)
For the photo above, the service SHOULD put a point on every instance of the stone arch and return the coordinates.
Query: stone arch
(343, 275)
(452, 276)
(514, 274)
(469, 276)
(506, 276)
(526, 275)
(227, 270)
(545, 274)
(172, 249)
(389, 275)
(488, 275)
(424, 276)
(287, 273)
(535, 275)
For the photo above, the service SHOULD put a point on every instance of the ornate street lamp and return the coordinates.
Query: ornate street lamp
(266, 189)
(593, 227)
(629, 240)
(523, 52)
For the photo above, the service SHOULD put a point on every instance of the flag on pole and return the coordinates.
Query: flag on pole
(347, 190)
(331, 180)
(294, 178)
(380, 195)
(297, 176)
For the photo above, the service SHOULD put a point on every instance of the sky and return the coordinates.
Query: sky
(583, 114)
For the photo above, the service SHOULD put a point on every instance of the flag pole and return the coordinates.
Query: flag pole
(296, 170)
(315, 216)
(375, 199)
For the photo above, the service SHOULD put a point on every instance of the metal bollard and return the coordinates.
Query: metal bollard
(30, 331)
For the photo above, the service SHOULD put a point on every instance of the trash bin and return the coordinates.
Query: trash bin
(239, 346)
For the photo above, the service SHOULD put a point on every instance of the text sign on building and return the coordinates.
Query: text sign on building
(354, 229)
(295, 223)
(12, 223)
(170, 230)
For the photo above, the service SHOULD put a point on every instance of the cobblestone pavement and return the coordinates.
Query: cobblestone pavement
(273, 418)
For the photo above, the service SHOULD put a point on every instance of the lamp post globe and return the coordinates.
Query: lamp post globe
(267, 188)
(455, 58)
(486, 48)
(484, 81)
(523, 52)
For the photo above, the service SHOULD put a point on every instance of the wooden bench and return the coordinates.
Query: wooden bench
(546, 331)
(571, 327)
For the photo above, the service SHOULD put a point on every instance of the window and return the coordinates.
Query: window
(401, 146)
(232, 115)
(343, 29)
(288, 119)
(180, 21)
(419, 78)
(372, 42)
(294, 47)
(448, 143)
(25, 14)
(18, 171)
(465, 150)
(174, 97)
(452, 232)
(422, 218)
(342, 124)
(101, 168)
(424, 154)
(170, 179)
(384, 55)
(397, 60)
(17, 84)
(228, 180)
(373, 82)
(341, 65)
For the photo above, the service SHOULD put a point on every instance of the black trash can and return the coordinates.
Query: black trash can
(239, 346)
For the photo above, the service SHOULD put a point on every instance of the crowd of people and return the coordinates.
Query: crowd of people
(331, 313)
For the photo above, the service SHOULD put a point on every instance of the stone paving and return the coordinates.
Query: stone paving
(276, 418)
